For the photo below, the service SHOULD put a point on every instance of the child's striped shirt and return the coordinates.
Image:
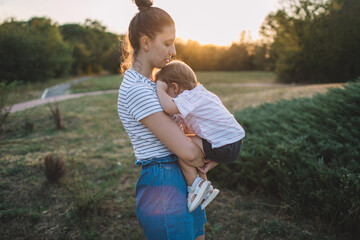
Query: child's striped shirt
(205, 115)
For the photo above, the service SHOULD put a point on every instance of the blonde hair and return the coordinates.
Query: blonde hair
(177, 72)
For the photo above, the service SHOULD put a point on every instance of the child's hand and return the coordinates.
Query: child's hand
(208, 166)
(160, 85)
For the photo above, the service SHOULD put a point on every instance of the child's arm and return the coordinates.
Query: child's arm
(166, 101)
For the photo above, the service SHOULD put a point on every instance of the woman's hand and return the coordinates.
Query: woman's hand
(208, 166)
(187, 130)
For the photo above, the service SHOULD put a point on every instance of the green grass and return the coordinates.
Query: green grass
(207, 78)
(227, 85)
(107, 82)
(30, 91)
(26, 91)
(96, 200)
(88, 202)
(33, 90)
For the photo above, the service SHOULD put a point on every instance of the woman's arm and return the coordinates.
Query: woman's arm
(166, 101)
(174, 138)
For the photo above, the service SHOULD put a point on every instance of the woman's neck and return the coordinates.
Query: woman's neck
(142, 68)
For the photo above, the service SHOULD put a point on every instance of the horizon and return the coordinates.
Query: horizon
(246, 16)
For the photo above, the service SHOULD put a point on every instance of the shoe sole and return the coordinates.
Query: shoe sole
(200, 195)
(210, 198)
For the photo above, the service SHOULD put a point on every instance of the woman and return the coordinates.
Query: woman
(157, 140)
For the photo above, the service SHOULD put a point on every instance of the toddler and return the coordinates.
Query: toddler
(200, 113)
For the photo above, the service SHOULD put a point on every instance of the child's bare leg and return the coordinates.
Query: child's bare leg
(212, 192)
(189, 172)
(198, 142)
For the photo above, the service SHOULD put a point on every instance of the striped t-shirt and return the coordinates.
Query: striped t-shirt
(205, 115)
(137, 100)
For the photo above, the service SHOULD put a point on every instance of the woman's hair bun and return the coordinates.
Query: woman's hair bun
(143, 4)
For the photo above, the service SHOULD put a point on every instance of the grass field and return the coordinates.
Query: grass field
(236, 89)
(96, 200)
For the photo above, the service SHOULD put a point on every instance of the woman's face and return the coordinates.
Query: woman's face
(162, 48)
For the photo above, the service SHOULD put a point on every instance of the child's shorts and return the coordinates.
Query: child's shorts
(225, 154)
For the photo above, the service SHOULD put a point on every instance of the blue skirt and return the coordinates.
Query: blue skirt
(161, 202)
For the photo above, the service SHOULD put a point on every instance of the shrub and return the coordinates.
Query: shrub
(55, 168)
(56, 116)
(306, 152)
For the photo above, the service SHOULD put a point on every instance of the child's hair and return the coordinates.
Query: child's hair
(149, 21)
(177, 72)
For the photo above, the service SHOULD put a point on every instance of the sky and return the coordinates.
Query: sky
(218, 22)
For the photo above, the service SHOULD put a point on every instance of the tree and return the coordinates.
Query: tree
(32, 51)
(93, 47)
(315, 40)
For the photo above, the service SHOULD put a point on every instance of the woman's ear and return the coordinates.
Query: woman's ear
(145, 42)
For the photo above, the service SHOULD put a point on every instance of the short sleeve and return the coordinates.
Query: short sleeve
(142, 101)
(184, 105)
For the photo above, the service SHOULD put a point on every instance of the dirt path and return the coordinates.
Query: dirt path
(25, 105)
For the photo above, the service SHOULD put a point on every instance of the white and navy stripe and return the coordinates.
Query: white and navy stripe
(204, 114)
(137, 100)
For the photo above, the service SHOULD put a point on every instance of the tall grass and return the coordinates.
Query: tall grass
(306, 152)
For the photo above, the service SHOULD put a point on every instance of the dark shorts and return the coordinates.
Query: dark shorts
(225, 154)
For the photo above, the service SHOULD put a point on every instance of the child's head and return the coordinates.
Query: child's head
(149, 22)
(177, 73)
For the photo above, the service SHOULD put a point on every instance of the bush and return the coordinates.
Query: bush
(54, 168)
(306, 152)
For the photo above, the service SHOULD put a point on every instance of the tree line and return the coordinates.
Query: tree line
(242, 55)
(304, 41)
(39, 49)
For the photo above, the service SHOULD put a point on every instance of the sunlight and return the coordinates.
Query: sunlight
(206, 21)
